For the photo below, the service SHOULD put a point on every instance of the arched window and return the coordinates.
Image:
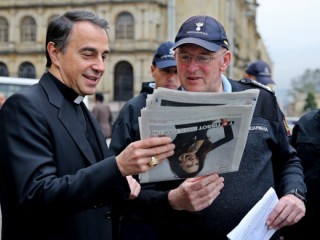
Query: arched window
(125, 26)
(4, 30)
(123, 85)
(3, 70)
(27, 70)
(28, 30)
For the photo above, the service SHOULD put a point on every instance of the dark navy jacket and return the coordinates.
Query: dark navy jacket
(306, 139)
(268, 161)
(126, 127)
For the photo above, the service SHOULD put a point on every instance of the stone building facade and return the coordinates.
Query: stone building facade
(136, 30)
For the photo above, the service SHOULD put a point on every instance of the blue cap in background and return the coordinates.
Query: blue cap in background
(164, 56)
(262, 72)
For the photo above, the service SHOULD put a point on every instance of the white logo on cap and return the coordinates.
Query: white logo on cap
(171, 51)
(199, 25)
(266, 70)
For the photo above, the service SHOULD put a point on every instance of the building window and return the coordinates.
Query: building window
(123, 85)
(28, 30)
(4, 30)
(27, 70)
(125, 26)
(3, 70)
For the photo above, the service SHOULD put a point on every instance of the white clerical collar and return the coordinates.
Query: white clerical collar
(79, 99)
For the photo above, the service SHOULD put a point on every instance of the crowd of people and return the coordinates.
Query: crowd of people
(60, 180)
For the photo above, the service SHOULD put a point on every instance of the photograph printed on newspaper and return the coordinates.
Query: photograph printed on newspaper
(209, 131)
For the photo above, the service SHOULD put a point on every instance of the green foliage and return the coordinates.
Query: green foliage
(304, 91)
(307, 82)
(310, 103)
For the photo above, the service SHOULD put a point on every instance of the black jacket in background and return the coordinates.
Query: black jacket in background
(306, 139)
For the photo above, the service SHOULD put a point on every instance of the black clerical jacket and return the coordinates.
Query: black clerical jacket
(51, 184)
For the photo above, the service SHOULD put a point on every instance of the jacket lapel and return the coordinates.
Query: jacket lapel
(98, 133)
(67, 116)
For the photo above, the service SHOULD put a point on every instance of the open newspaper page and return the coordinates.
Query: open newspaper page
(209, 131)
(167, 97)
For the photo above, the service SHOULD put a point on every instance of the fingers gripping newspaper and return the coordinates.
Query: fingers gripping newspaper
(209, 131)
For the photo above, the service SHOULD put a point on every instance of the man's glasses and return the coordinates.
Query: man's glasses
(200, 59)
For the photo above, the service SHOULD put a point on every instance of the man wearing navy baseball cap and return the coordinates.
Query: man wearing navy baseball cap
(126, 127)
(209, 207)
(164, 67)
(261, 72)
(164, 56)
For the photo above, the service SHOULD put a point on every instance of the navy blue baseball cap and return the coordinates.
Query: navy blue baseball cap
(204, 31)
(164, 56)
(262, 72)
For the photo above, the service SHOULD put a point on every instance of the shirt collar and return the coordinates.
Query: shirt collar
(67, 92)
(226, 84)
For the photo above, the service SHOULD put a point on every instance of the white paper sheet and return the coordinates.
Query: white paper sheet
(253, 225)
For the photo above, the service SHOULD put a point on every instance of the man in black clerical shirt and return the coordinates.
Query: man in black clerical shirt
(58, 179)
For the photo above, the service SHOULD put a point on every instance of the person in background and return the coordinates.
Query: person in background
(164, 72)
(306, 139)
(261, 72)
(103, 114)
(2, 99)
(126, 127)
(58, 179)
(209, 207)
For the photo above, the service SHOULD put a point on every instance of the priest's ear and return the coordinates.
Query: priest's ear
(54, 53)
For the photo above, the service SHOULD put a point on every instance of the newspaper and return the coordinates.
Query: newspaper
(209, 130)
